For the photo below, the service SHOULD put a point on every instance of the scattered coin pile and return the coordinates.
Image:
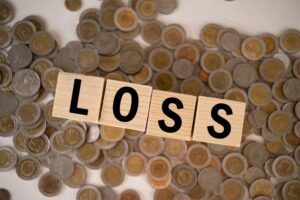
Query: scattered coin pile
(261, 70)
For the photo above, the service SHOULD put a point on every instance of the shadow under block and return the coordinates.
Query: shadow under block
(204, 119)
(186, 114)
(90, 97)
(139, 121)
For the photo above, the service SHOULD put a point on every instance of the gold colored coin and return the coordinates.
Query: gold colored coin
(284, 167)
(159, 184)
(112, 134)
(198, 156)
(129, 194)
(173, 35)
(234, 165)
(73, 5)
(184, 177)
(236, 94)
(147, 9)
(106, 18)
(42, 43)
(49, 185)
(232, 189)
(279, 123)
(271, 107)
(151, 31)
(164, 194)
(88, 152)
(192, 86)
(164, 81)
(49, 78)
(197, 192)
(135, 164)
(87, 30)
(259, 94)
(160, 59)
(271, 43)
(261, 187)
(97, 164)
(73, 136)
(212, 60)
(112, 174)
(175, 149)
(253, 48)
(37, 146)
(28, 168)
(143, 76)
(187, 51)
(158, 168)
(23, 31)
(272, 70)
(78, 178)
(275, 147)
(220, 80)
(125, 19)
(150, 145)
(117, 75)
(109, 63)
(118, 151)
(290, 41)
(209, 35)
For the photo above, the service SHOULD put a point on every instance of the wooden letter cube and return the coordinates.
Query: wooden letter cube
(204, 119)
(89, 99)
(186, 114)
(126, 103)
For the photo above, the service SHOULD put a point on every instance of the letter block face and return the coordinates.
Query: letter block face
(90, 97)
(186, 114)
(125, 105)
(204, 119)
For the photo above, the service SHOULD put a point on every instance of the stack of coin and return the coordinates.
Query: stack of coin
(261, 70)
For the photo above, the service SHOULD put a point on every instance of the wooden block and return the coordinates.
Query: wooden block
(204, 119)
(89, 99)
(186, 114)
(126, 105)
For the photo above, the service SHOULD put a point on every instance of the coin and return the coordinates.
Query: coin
(87, 30)
(229, 39)
(275, 146)
(255, 153)
(173, 35)
(49, 185)
(39, 65)
(4, 194)
(289, 41)
(73, 5)
(111, 134)
(87, 152)
(19, 57)
(209, 33)
(291, 88)
(109, 63)
(125, 19)
(35, 130)
(73, 136)
(5, 36)
(253, 48)
(22, 31)
(8, 158)
(165, 81)
(115, 3)
(272, 69)
(211, 60)
(198, 156)
(254, 173)
(257, 118)
(151, 31)
(135, 164)
(236, 94)
(131, 62)
(150, 145)
(28, 113)
(7, 12)
(28, 168)
(181, 196)
(38, 23)
(166, 6)
(106, 18)
(270, 107)
(130, 35)
(261, 187)
(37, 146)
(88, 192)
(3, 57)
(164, 194)
(49, 78)
(259, 94)
(184, 177)
(296, 68)
(279, 122)
(78, 178)
(197, 192)
(192, 86)
(187, 51)
(143, 76)
(107, 43)
(232, 63)
(284, 167)
(61, 167)
(147, 9)
(42, 43)
(175, 149)
(183, 68)
(19, 141)
(108, 193)
(118, 152)
(99, 162)
(57, 144)
(47, 111)
(220, 80)
(160, 59)
(210, 178)
(158, 168)
(11, 103)
(271, 43)
(90, 13)
(234, 165)
(112, 174)
(87, 60)
(129, 194)
(244, 75)
(290, 190)
(232, 188)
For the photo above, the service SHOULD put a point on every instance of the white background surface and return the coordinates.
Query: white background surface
(248, 16)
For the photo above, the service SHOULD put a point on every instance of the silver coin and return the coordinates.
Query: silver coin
(26, 83)
(107, 43)
(37, 21)
(8, 12)
(210, 178)
(183, 68)
(167, 6)
(6, 36)
(229, 39)
(73, 48)
(46, 158)
(131, 62)
(269, 135)
(256, 154)
(64, 61)
(231, 64)
(108, 193)
(19, 57)
(61, 167)
(8, 158)
(258, 119)
(291, 89)
(244, 75)
(23, 31)
(93, 133)
(8, 103)
(87, 192)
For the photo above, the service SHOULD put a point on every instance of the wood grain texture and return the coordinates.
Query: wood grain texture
(90, 96)
(186, 114)
(204, 119)
(139, 122)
